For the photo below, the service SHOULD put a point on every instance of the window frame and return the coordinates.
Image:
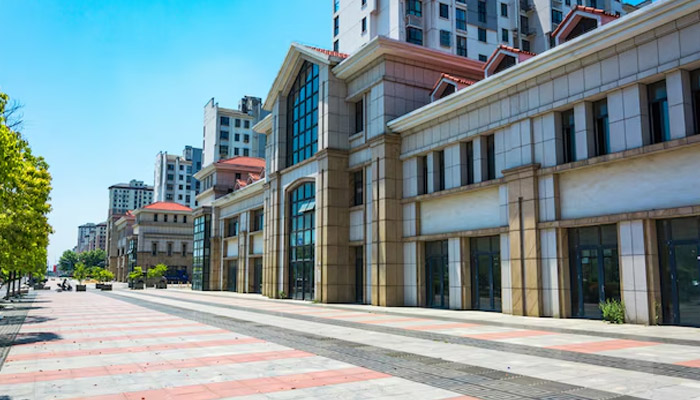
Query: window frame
(446, 8)
(461, 23)
(303, 144)
(568, 136)
(656, 136)
(601, 127)
(418, 39)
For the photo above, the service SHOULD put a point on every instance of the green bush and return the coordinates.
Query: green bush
(613, 311)
(106, 276)
(80, 272)
(157, 272)
(135, 274)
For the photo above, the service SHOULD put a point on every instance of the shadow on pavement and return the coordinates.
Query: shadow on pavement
(35, 337)
(30, 319)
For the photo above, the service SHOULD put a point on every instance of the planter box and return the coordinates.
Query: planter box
(81, 288)
(98, 286)
(39, 286)
(138, 286)
(161, 285)
(106, 287)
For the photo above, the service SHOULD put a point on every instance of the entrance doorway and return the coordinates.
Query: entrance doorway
(679, 266)
(301, 242)
(595, 270)
(257, 275)
(486, 273)
(232, 280)
(437, 274)
(359, 274)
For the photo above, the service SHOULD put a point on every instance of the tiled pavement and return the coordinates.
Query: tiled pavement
(188, 345)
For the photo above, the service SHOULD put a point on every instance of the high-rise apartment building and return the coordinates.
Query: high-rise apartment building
(85, 232)
(228, 133)
(173, 178)
(98, 237)
(129, 196)
(468, 28)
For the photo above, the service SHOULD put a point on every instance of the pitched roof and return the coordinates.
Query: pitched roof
(507, 48)
(244, 161)
(456, 79)
(573, 11)
(167, 206)
(329, 52)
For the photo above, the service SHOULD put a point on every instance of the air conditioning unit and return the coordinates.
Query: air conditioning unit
(414, 21)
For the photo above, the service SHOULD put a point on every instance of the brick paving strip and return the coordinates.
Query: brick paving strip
(468, 380)
(11, 323)
(687, 371)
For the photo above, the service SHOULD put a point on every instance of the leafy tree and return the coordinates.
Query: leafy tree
(157, 272)
(68, 261)
(136, 273)
(106, 276)
(93, 258)
(80, 272)
(25, 187)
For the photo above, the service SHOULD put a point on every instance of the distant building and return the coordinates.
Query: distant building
(162, 233)
(98, 237)
(173, 178)
(84, 233)
(126, 246)
(228, 133)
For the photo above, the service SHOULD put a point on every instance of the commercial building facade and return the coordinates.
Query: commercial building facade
(174, 177)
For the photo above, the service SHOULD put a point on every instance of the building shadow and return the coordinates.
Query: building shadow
(34, 337)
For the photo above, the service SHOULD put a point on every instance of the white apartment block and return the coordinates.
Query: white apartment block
(228, 132)
(174, 177)
(468, 28)
(84, 233)
(129, 196)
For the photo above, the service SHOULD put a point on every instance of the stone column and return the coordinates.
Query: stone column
(387, 250)
(680, 104)
(455, 272)
(633, 271)
(583, 123)
(524, 240)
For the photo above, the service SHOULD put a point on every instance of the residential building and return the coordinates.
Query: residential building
(220, 180)
(560, 180)
(469, 28)
(123, 197)
(174, 177)
(161, 234)
(228, 133)
(84, 233)
(98, 237)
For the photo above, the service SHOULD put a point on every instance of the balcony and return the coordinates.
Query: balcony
(414, 21)
(526, 6)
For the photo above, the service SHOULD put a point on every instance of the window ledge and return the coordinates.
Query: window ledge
(448, 192)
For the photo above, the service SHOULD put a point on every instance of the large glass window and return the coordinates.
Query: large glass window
(461, 18)
(486, 273)
(469, 160)
(444, 10)
(481, 10)
(200, 250)
(302, 115)
(437, 274)
(445, 38)
(359, 116)
(358, 188)
(414, 7)
(568, 138)
(490, 157)
(695, 89)
(658, 113)
(258, 220)
(302, 203)
(461, 46)
(336, 26)
(602, 127)
(414, 35)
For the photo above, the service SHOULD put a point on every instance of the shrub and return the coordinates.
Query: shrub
(613, 311)
(157, 272)
(106, 276)
(80, 272)
(282, 294)
(136, 273)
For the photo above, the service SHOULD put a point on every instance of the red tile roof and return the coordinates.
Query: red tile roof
(241, 182)
(507, 48)
(244, 161)
(329, 52)
(167, 206)
(584, 9)
(453, 78)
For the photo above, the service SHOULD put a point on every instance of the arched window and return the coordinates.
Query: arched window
(302, 203)
(302, 115)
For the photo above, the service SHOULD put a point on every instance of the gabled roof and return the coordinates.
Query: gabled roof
(449, 80)
(166, 206)
(291, 63)
(244, 161)
(501, 52)
(575, 15)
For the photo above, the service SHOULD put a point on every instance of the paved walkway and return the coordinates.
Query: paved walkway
(157, 344)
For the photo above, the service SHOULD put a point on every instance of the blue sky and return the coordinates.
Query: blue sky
(108, 84)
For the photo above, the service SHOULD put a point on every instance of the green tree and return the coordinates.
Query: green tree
(25, 187)
(80, 272)
(136, 273)
(93, 258)
(157, 272)
(68, 261)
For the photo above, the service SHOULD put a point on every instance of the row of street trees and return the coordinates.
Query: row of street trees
(92, 258)
(25, 186)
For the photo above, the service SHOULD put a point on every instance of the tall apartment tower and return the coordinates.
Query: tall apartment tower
(229, 133)
(173, 177)
(468, 28)
(85, 232)
(129, 196)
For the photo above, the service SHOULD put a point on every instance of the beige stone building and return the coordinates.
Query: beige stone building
(124, 228)
(400, 176)
(162, 233)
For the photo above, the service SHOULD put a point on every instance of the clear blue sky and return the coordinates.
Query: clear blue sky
(107, 84)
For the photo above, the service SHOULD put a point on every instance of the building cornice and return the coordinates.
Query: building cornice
(264, 126)
(383, 46)
(615, 32)
(247, 192)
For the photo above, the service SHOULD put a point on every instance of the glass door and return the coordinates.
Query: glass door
(232, 281)
(301, 242)
(257, 275)
(679, 251)
(437, 274)
(595, 270)
(486, 273)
